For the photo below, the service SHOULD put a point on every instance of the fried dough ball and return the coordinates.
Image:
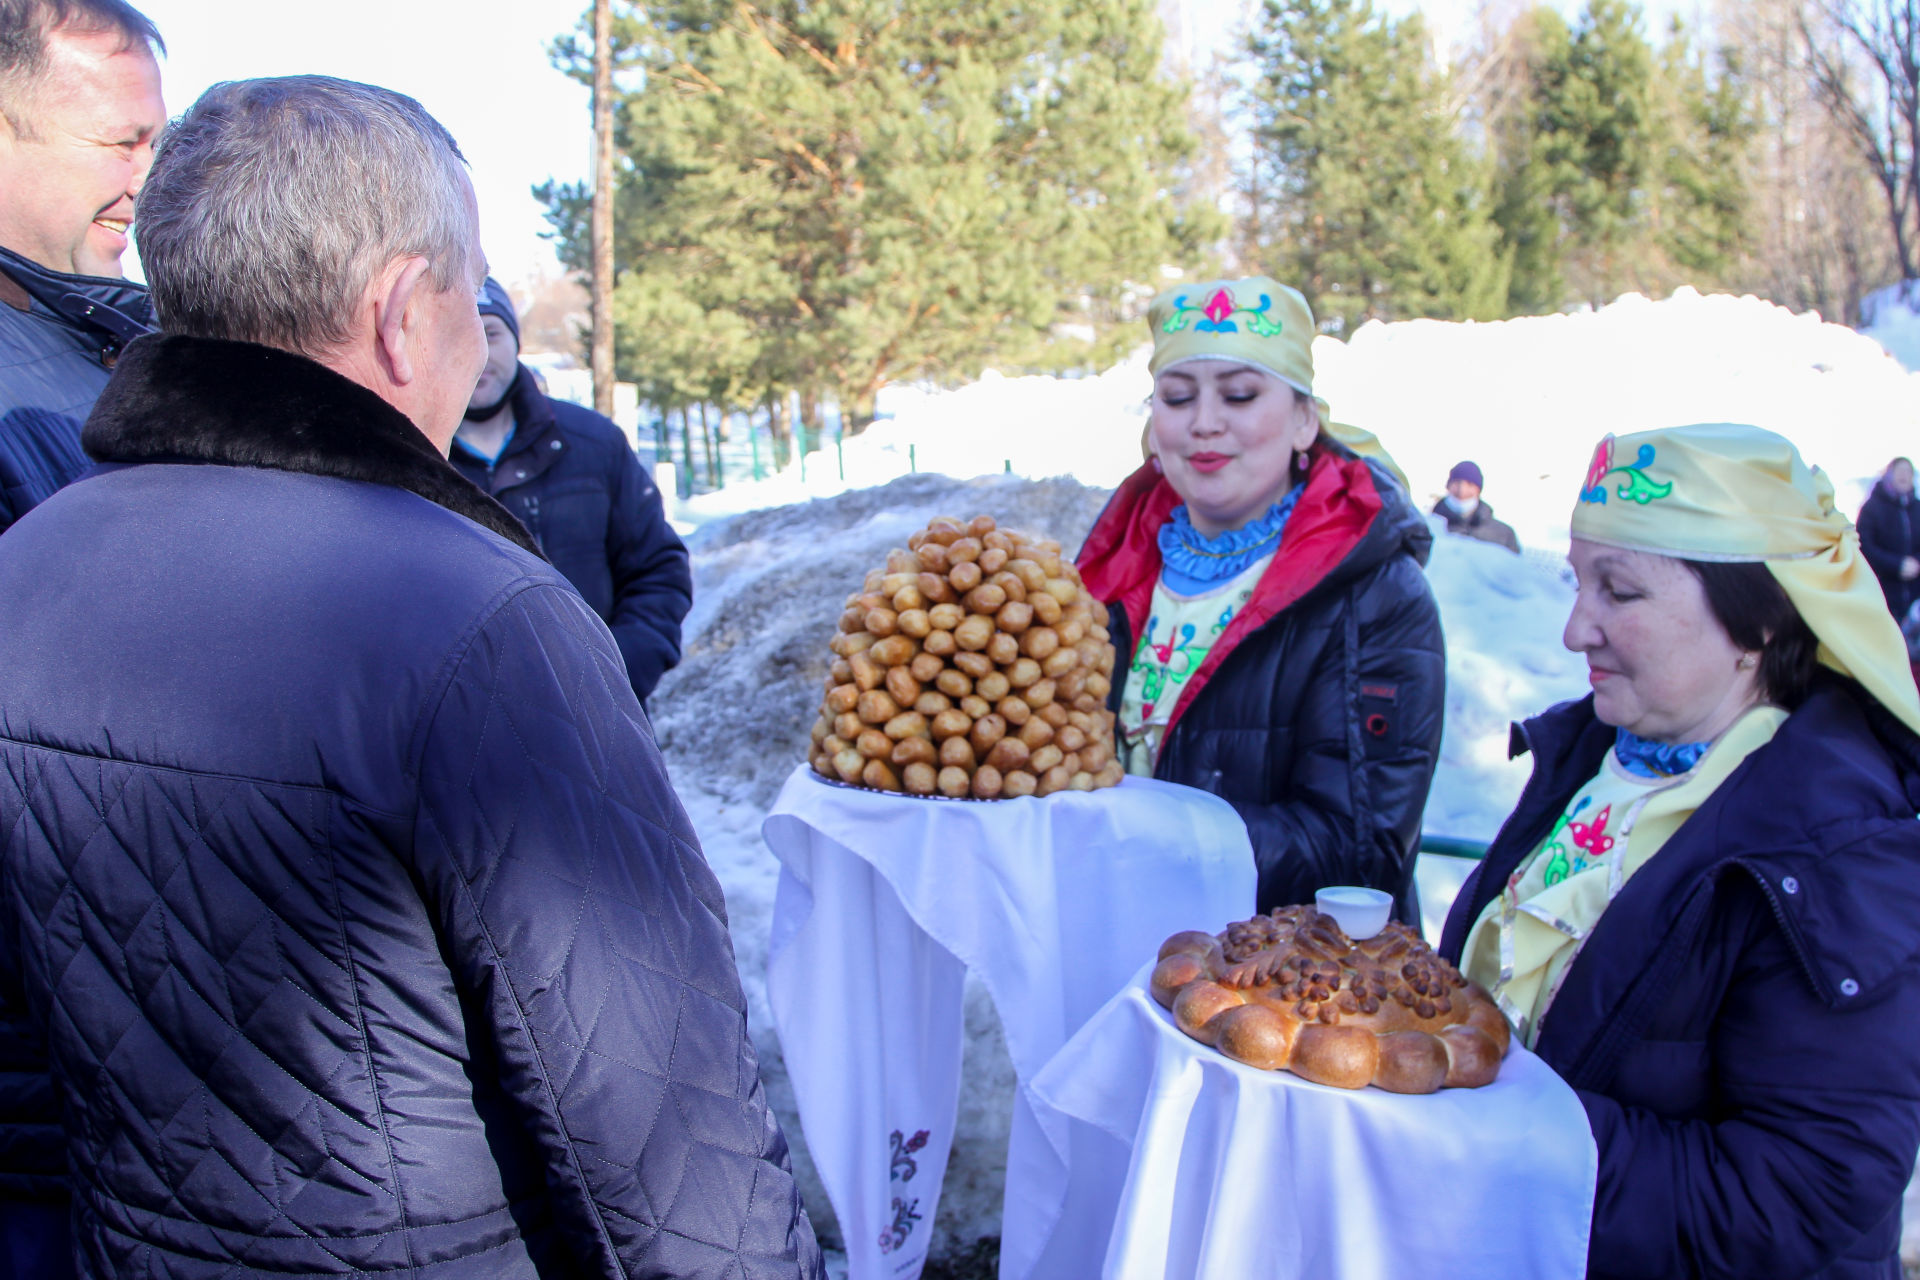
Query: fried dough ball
(972, 664)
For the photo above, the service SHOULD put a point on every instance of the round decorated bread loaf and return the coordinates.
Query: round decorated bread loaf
(972, 665)
(1291, 991)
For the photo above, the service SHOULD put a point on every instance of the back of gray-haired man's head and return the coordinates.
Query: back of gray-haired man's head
(24, 28)
(272, 204)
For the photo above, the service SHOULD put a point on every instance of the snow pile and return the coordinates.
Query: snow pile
(1892, 319)
(1527, 399)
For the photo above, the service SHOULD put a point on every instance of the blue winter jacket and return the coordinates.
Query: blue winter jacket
(1741, 1024)
(573, 480)
(59, 335)
(341, 876)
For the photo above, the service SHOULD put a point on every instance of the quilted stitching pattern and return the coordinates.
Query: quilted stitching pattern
(266, 1067)
(614, 970)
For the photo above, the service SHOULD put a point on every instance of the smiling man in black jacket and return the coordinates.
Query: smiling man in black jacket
(80, 111)
(571, 477)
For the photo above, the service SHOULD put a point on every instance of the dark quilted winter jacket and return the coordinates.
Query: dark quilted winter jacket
(58, 337)
(341, 875)
(1889, 533)
(574, 482)
(1741, 1023)
(1317, 713)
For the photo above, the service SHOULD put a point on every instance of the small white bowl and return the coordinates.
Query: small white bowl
(1361, 913)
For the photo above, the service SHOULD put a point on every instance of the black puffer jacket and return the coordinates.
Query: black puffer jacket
(1889, 534)
(59, 335)
(1317, 714)
(573, 480)
(341, 875)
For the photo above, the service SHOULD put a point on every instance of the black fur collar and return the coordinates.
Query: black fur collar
(175, 399)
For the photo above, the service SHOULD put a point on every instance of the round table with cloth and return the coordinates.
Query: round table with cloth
(1191, 1165)
(886, 901)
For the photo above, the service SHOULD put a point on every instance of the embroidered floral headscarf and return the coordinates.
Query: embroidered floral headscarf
(1256, 321)
(1727, 492)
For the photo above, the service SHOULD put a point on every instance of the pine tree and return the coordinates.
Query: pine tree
(1373, 207)
(826, 198)
(1625, 167)
(1704, 129)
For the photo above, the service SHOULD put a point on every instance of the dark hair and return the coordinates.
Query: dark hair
(25, 25)
(1750, 604)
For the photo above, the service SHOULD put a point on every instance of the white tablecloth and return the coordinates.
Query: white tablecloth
(886, 901)
(1197, 1166)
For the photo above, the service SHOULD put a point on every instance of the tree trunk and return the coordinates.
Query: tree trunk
(686, 445)
(780, 430)
(602, 217)
(713, 457)
(810, 428)
(857, 413)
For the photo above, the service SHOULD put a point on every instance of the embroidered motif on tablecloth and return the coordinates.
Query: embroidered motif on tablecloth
(906, 1209)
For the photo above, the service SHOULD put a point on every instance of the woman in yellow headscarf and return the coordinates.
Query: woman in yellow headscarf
(1705, 912)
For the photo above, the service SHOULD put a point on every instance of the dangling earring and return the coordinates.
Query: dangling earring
(1301, 462)
(1747, 661)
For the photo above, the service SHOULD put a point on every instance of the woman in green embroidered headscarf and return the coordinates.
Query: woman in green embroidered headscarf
(1705, 913)
(1265, 591)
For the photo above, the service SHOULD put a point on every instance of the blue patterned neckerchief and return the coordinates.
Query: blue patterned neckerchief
(1645, 758)
(1193, 564)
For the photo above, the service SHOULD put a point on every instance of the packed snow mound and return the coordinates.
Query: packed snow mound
(733, 721)
(1891, 317)
(1527, 399)
(1502, 615)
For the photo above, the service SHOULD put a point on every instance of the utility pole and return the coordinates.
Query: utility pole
(601, 357)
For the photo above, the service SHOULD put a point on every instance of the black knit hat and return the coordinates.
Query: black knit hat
(495, 302)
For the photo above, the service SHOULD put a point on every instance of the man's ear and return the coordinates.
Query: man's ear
(396, 320)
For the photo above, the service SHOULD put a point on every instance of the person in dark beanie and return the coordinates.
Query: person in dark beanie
(1889, 527)
(573, 480)
(1466, 514)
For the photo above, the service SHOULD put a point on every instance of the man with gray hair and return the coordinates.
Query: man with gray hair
(80, 111)
(338, 865)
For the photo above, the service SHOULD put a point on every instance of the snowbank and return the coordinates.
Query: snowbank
(1892, 319)
(1526, 399)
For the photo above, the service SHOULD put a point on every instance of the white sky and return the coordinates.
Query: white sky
(480, 66)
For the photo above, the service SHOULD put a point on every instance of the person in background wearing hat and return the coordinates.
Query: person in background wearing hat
(1466, 514)
(1705, 912)
(1264, 587)
(573, 480)
(1890, 536)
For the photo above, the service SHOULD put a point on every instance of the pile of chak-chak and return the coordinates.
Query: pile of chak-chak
(1290, 990)
(974, 665)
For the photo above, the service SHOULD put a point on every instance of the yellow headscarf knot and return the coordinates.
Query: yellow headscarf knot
(1728, 492)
